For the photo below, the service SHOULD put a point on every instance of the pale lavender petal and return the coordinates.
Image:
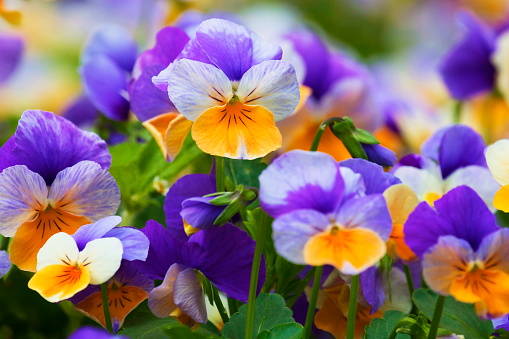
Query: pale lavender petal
(21, 193)
(194, 51)
(430, 148)
(96, 230)
(421, 181)
(134, 242)
(264, 50)
(160, 299)
(228, 46)
(354, 183)
(5, 263)
(493, 250)
(10, 58)
(195, 87)
(293, 230)
(199, 213)
(188, 295)
(47, 144)
(376, 180)
(372, 288)
(476, 177)
(86, 190)
(105, 84)
(502, 322)
(368, 212)
(301, 180)
(273, 85)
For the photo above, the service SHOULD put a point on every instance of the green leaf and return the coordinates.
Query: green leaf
(287, 331)
(244, 172)
(142, 324)
(457, 317)
(270, 311)
(365, 137)
(180, 331)
(382, 327)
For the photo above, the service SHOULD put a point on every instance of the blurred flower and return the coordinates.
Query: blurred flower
(465, 253)
(12, 48)
(87, 332)
(5, 263)
(53, 180)
(233, 86)
(12, 17)
(496, 157)
(452, 157)
(322, 215)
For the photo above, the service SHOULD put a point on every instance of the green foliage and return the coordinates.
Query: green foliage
(271, 314)
(287, 331)
(383, 327)
(457, 317)
(244, 172)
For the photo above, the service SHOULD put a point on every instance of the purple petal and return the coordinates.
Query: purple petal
(460, 146)
(93, 231)
(87, 332)
(7, 157)
(12, 51)
(5, 263)
(188, 295)
(430, 148)
(147, 101)
(81, 112)
(228, 256)
(189, 186)
(292, 231)
(412, 160)
(372, 288)
(376, 180)
(502, 322)
(379, 155)
(264, 50)
(105, 84)
(47, 144)
(494, 248)
(460, 213)
(134, 242)
(113, 42)
(228, 46)
(194, 51)
(467, 70)
(169, 43)
(301, 180)
(199, 213)
(368, 212)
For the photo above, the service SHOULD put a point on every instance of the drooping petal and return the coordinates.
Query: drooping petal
(498, 162)
(228, 46)
(160, 300)
(102, 259)
(301, 180)
(189, 297)
(445, 262)
(175, 136)
(86, 189)
(372, 288)
(369, 212)
(12, 51)
(134, 243)
(237, 131)
(476, 177)
(105, 84)
(157, 126)
(194, 87)
(22, 194)
(292, 231)
(199, 213)
(273, 85)
(351, 251)
(376, 180)
(96, 230)
(47, 144)
(58, 282)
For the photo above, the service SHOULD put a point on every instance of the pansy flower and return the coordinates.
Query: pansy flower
(12, 50)
(452, 157)
(53, 180)
(464, 253)
(221, 254)
(87, 332)
(234, 87)
(322, 215)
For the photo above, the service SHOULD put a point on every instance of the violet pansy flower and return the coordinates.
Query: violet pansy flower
(464, 252)
(87, 332)
(322, 215)
(12, 51)
(233, 86)
(53, 180)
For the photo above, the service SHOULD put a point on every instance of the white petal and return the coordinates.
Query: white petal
(272, 84)
(476, 177)
(499, 58)
(193, 85)
(421, 181)
(102, 258)
(498, 161)
(60, 249)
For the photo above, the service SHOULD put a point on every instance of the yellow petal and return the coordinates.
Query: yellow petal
(237, 131)
(351, 251)
(501, 199)
(157, 126)
(175, 136)
(59, 282)
(401, 249)
(401, 201)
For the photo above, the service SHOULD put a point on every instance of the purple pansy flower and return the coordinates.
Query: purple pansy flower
(322, 214)
(87, 332)
(222, 254)
(452, 157)
(464, 253)
(12, 51)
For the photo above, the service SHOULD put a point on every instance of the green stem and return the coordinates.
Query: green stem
(106, 307)
(458, 107)
(410, 283)
(319, 132)
(219, 174)
(312, 302)
(437, 315)
(4, 243)
(219, 305)
(352, 307)
(302, 286)
(253, 285)
(233, 306)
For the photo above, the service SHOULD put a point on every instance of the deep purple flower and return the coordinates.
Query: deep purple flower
(87, 332)
(10, 58)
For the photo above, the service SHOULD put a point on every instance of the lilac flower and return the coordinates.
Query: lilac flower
(452, 157)
(322, 215)
(222, 254)
(464, 252)
(233, 86)
(53, 180)
(12, 51)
